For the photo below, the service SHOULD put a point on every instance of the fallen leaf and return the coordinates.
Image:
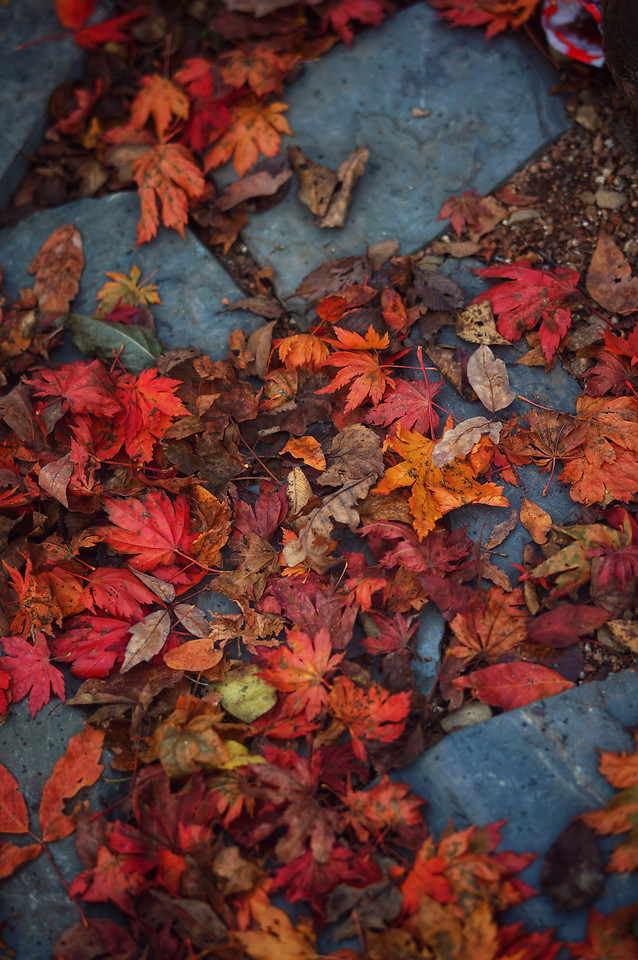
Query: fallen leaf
(262, 183)
(572, 869)
(476, 324)
(31, 670)
(328, 194)
(536, 521)
(245, 695)
(512, 685)
(58, 267)
(458, 441)
(255, 128)
(160, 99)
(488, 376)
(307, 449)
(167, 172)
(78, 768)
(609, 280)
(621, 813)
(147, 639)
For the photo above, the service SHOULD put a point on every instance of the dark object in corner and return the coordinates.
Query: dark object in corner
(620, 45)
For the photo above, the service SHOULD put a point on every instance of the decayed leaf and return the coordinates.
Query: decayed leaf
(536, 521)
(488, 376)
(78, 768)
(458, 441)
(476, 324)
(167, 172)
(326, 193)
(609, 280)
(58, 267)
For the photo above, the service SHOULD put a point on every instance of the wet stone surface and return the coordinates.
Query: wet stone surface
(488, 116)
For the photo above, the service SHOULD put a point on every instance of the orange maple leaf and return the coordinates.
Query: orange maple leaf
(127, 291)
(255, 128)
(160, 99)
(299, 670)
(435, 490)
(621, 813)
(255, 66)
(169, 171)
(490, 627)
(301, 350)
(372, 714)
(360, 365)
(496, 15)
(606, 467)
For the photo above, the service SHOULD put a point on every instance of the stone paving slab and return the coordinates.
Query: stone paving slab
(27, 78)
(192, 284)
(537, 767)
(490, 112)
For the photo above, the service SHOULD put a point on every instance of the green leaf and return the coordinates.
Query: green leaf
(136, 347)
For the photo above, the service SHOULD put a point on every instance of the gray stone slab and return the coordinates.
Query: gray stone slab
(490, 112)
(27, 78)
(537, 767)
(192, 284)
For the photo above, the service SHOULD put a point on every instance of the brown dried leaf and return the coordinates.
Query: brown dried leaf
(502, 531)
(459, 441)
(326, 193)
(263, 183)
(57, 268)
(488, 377)
(54, 478)
(192, 618)
(609, 280)
(147, 638)
(536, 521)
(356, 452)
(298, 490)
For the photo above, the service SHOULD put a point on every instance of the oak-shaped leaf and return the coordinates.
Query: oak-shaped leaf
(154, 530)
(530, 297)
(620, 815)
(488, 376)
(78, 768)
(511, 685)
(371, 714)
(255, 128)
(169, 172)
(31, 671)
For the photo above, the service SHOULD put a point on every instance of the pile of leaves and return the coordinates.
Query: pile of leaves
(307, 479)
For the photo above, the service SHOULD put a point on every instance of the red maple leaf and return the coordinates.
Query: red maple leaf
(531, 297)
(371, 714)
(31, 670)
(306, 878)
(615, 371)
(118, 591)
(299, 670)
(341, 14)
(410, 404)
(92, 645)
(153, 529)
(386, 807)
(112, 30)
(148, 406)
(82, 387)
(466, 209)
(117, 877)
(167, 172)
(497, 15)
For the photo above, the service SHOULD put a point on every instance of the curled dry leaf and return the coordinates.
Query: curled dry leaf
(609, 280)
(489, 378)
(326, 193)
(459, 441)
(536, 521)
(307, 449)
(192, 618)
(58, 267)
(298, 490)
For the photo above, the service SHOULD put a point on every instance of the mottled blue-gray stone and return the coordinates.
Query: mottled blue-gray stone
(27, 78)
(537, 767)
(192, 284)
(489, 113)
